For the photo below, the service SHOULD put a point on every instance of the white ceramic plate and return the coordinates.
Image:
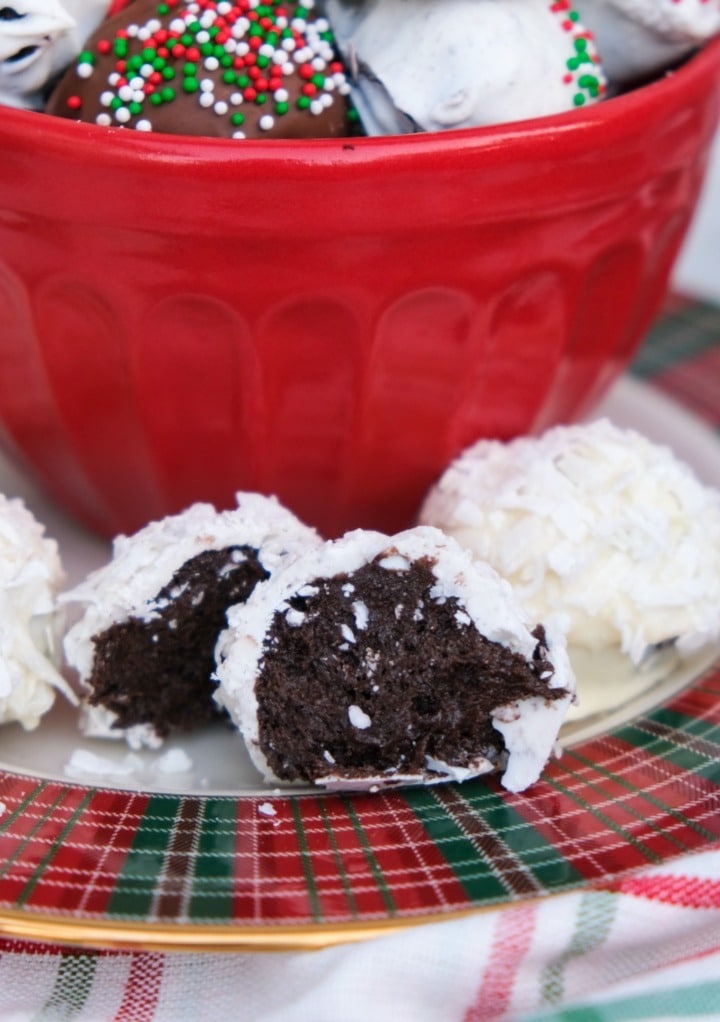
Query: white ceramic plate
(214, 761)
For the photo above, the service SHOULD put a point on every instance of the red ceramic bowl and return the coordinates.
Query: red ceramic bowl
(330, 321)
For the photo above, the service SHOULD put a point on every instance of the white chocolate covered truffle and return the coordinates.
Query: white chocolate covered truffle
(639, 38)
(596, 522)
(423, 65)
(38, 40)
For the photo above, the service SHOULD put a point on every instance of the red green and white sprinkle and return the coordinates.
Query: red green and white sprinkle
(582, 69)
(255, 47)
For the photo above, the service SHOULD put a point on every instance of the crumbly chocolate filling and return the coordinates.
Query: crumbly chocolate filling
(159, 671)
(366, 673)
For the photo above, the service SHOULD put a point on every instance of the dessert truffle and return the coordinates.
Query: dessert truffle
(430, 65)
(597, 522)
(39, 39)
(30, 576)
(639, 38)
(223, 68)
(378, 660)
(144, 645)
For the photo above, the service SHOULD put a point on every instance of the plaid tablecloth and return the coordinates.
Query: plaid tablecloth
(646, 946)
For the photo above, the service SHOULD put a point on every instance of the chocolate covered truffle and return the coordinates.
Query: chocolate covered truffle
(223, 68)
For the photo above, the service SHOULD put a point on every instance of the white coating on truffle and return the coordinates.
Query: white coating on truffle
(486, 598)
(30, 575)
(597, 523)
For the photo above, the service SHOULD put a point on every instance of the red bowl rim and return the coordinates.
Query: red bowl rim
(36, 131)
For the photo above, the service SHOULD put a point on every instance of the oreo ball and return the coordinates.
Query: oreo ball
(222, 68)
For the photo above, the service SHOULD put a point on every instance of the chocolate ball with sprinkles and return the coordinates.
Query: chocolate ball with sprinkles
(222, 68)
(375, 661)
(144, 643)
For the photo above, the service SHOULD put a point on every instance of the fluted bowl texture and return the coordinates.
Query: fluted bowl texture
(330, 321)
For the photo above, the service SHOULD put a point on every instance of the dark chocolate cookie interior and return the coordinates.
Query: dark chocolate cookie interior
(368, 673)
(159, 671)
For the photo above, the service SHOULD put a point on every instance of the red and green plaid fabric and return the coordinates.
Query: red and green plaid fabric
(645, 949)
